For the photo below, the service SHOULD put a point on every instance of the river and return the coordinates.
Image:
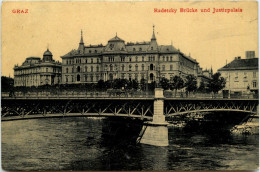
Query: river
(81, 143)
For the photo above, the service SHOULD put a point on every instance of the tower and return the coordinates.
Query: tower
(81, 44)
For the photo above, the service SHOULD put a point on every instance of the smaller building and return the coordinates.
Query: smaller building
(241, 74)
(36, 71)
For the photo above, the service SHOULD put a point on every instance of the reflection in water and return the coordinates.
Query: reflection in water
(109, 144)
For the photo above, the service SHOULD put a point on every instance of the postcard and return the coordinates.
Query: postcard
(129, 85)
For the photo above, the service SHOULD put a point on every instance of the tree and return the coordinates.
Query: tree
(216, 83)
(7, 83)
(164, 82)
(134, 84)
(202, 87)
(101, 84)
(191, 83)
(143, 84)
(177, 83)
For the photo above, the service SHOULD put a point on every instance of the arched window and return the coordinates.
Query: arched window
(163, 67)
(136, 67)
(78, 77)
(111, 67)
(151, 77)
(78, 69)
(151, 67)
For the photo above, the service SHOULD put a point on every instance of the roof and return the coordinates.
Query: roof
(115, 39)
(241, 64)
(33, 58)
(47, 53)
(167, 49)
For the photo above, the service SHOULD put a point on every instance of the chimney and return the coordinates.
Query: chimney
(250, 54)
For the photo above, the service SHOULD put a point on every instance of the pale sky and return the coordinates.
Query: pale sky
(210, 38)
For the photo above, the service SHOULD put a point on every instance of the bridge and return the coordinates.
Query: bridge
(151, 108)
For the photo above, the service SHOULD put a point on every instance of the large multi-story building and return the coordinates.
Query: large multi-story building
(117, 59)
(37, 72)
(241, 74)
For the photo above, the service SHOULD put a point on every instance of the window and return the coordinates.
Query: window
(91, 68)
(163, 58)
(142, 67)
(167, 58)
(91, 78)
(254, 84)
(123, 67)
(86, 77)
(122, 59)
(78, 69)
(130, 67)
(133, 49)
(136, 77)
(91, 60)
(254, 74)
(163, 67)
(97, 60)
(67, 79)
(78, 77)
(97, 78)
(72, 79)
(136, 67)
(97, 68)
(95, 51)
(123, 76)
(111, 67)
(86, 68)
(171, 67)
(67, 61)
(67, 70)
(46, 69)
(140, 49)
(143, 58)
(151, 48)
(151, 67)
(130, 59)
(136, 59)
(86, 60)
(171, 58)
(89, 51)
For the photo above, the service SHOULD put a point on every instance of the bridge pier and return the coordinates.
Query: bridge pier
(156, 132)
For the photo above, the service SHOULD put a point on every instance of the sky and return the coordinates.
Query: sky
(211, 38)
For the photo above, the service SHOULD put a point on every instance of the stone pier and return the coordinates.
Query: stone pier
(156, 132)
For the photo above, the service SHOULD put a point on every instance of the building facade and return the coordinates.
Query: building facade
(117, 59)
(241, 74)
(36, 71)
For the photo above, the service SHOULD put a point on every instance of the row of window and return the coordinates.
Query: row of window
(111, 68)
(122, 59)
(245, 74)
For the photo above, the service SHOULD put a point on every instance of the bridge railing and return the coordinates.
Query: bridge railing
(172, 94)
(80, 94)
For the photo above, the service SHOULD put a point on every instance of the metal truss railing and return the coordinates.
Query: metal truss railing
(26, 109)
(173, 107)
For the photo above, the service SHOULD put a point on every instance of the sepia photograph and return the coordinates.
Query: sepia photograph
(129, 85)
